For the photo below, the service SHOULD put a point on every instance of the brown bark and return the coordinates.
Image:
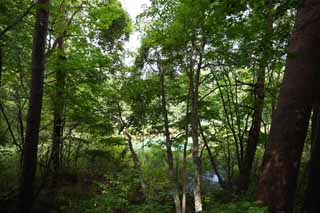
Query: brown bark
(184, 163)
(212, 160)
(184, 176)
(171, 172)
(135, 159)
(290, 122)
(312, 198)
(194, 84)
(25, 196)
(254, 133)
(57, 136)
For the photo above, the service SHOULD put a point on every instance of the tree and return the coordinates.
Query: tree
(25, 197)
(259, 94)
(290, 121)
(311, 201)
(57, 135)
(194, 81)
(171, 171)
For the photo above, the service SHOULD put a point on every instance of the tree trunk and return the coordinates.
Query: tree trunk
(2, 109)
(194, 84)
(184, 176)
(25, 196)
(58, 109)
(184, 163)
(212, 160)
(135, 159)
(290, 122)
(0, 65)
(254, 133)
(312, 199)
(171, 171)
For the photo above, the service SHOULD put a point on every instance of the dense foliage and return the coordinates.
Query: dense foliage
(181, 124)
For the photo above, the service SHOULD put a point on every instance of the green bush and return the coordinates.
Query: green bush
(238, 207)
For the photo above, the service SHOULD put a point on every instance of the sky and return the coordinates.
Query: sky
(134, 8)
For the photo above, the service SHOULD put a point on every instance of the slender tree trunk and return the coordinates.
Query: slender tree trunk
(184, 177)
(25, 196)
(194, 84)
(291, 119)
(184, 163)
(57, 136)
(212, 160)
(171, 171)
(312, 199)
(254, 133)
(2, 109)
(0, 65)
(136, 161)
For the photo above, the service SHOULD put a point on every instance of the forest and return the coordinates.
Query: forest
(217, 109)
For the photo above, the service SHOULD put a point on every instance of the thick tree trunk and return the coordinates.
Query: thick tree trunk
(57, 136)
(25, 197)
(254, 133)
(290, 121)
(171, 171)
(312, 198)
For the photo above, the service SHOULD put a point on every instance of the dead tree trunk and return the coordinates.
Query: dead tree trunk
(25, 197)
(289, 126)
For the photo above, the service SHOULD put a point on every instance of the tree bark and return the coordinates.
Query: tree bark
(171, 171)
(194, 84)
(290, 122)
(254, 133)
(25, 196)
(212, 160)
(184, 176)
(312, 199)
(184, 163)
(135, 159)
(57, 136)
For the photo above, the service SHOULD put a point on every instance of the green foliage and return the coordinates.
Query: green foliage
(104, 99)
(9, 170)
(111, 24)
(239, 207)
